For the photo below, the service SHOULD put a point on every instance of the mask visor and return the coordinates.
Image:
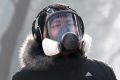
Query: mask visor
(58, 24)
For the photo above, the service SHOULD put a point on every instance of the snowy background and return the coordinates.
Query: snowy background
(101, 19)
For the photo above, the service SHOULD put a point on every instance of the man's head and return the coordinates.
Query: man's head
(41, 19)
(59, 23)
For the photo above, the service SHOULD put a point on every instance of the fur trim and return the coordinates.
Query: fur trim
(87, 39)
(30, 55)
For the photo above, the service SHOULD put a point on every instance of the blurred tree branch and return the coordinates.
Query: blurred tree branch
(14, 2)
(10, 37)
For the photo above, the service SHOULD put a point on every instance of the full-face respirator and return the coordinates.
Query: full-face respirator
(63, 32)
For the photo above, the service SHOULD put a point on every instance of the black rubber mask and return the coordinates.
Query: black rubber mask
(63, 28)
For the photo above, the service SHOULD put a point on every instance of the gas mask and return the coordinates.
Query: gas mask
(64, 33)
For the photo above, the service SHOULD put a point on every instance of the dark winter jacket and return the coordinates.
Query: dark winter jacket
(37, 66)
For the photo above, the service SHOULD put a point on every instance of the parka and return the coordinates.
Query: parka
(37, 66)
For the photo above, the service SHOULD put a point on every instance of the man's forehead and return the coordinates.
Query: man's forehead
(62, 18)
(59, 15)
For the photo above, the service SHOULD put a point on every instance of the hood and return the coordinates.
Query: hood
(32, 55)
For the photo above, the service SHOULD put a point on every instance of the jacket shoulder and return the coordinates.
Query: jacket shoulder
(17, 76)
(27, 74)
(105, 69)
(20, 75)
(108, 71)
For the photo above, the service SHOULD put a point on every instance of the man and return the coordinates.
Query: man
(56, 51)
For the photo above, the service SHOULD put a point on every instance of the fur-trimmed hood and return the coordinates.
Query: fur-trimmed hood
(31, 54)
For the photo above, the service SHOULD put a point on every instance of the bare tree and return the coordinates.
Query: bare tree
(9, 38)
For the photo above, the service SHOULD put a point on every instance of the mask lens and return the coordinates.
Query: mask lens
(60, 24)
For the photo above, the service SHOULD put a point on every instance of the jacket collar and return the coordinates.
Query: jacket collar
(32, 56)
